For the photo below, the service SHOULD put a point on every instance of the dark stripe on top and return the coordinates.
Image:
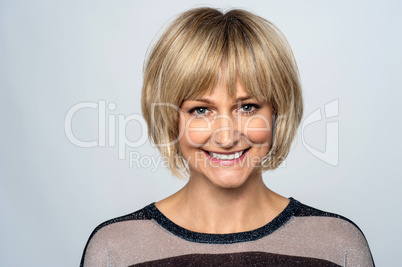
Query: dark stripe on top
(265, 230)
(238, 259)
(310, 211)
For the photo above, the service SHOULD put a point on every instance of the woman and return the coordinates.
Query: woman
(222, 100)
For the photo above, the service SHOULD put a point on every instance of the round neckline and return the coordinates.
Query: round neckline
(229, 238)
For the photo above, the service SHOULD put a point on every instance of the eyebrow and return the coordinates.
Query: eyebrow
(211, 102)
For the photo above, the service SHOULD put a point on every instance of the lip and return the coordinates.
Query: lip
(227, 162)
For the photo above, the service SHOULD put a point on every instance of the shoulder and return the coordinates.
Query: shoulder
(108, 225)
(107, 233)
(336, 232)
(320, 219)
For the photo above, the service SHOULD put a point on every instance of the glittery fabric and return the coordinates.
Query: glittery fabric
(299, 236)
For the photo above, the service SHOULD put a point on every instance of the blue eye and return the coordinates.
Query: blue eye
(200, 110)
(250, 108)
(247, 108)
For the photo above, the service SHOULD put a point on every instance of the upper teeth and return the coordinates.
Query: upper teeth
(226, 156)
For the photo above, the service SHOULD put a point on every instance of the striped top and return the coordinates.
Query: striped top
(299, 236)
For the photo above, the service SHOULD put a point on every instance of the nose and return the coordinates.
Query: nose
(225, 132)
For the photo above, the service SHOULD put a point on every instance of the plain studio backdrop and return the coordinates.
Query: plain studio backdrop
(70, 70)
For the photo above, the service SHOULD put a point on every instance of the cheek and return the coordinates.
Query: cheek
(194, 133)
(259, 131)
(260, 137)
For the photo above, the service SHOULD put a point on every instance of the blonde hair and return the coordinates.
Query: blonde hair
(186, 63)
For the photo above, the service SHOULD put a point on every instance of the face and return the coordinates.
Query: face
(224, 139)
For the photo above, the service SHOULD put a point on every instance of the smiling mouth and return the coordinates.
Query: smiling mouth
(221, 156)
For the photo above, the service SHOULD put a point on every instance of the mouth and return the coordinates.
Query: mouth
(226, 157)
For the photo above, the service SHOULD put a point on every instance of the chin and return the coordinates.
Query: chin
(228, 181)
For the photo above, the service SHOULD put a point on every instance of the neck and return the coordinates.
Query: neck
(203, 207)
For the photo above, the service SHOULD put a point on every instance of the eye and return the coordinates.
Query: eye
(198, 111)
(247, 108)
(250, 108)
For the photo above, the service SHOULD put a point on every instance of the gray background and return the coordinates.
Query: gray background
(55, 54)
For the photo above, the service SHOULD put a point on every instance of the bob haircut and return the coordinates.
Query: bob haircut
(187, 61)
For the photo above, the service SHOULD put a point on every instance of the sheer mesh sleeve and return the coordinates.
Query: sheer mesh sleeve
(357, 251)
(96, 253)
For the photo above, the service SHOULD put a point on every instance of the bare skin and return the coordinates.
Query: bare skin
(230, 199)
(220, 210)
